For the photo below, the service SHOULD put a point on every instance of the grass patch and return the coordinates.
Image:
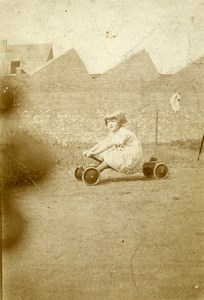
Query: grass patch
(26, 160)
(179, 153)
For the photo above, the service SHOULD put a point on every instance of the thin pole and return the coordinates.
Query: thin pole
(156, 131)
(201, 146)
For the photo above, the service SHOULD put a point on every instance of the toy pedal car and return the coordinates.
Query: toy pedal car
(91, 176)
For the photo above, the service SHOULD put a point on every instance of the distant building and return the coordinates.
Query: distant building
(69, 103)
(24, 58)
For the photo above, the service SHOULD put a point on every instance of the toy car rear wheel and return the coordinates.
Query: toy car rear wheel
(148, 172)
(161, 171)
(78, 173)
(91, 176)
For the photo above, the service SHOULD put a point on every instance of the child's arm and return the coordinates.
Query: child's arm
(99, 147)
(94, 148)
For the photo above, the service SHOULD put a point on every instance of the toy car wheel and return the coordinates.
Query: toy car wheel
(148, 172)
(91, 176)
(78, 173)
(160, 171)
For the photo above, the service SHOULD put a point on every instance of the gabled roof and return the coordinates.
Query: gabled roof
(187, 77)
(65, 72)
(68, 62)
(32, 56)
(137, 67)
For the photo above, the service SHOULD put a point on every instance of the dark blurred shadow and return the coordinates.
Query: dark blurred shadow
(13, 225)
(24, 162)
(7, 98)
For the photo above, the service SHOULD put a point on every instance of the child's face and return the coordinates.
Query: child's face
(113, 124)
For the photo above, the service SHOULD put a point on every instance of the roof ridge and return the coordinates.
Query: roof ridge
(57, 57)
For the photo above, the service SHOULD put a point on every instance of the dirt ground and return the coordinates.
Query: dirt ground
(126, 238)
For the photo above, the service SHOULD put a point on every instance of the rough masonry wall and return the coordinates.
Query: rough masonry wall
(62, 102)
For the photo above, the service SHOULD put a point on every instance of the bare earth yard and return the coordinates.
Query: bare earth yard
(126, 238)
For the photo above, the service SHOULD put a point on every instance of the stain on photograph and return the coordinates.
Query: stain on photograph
(102, 155)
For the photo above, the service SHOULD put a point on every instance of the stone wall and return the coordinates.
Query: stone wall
(62, 102)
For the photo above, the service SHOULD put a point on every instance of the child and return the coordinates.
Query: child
(121, 149)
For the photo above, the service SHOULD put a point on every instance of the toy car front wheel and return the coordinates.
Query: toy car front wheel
(91, 176)
(78, 173)
(160, 171)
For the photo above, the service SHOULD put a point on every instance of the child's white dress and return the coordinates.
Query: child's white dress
(126, 155)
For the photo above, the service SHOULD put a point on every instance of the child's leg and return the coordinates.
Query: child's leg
(103, 166)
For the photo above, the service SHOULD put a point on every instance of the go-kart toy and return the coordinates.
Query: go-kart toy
(91, 176)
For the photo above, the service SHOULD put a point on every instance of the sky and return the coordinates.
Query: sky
(106, 32)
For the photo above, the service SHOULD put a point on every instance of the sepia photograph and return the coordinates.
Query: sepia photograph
(101, 149)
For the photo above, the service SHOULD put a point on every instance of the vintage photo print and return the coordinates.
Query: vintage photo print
(101, 139)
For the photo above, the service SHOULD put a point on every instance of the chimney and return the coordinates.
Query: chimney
(3, 46)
